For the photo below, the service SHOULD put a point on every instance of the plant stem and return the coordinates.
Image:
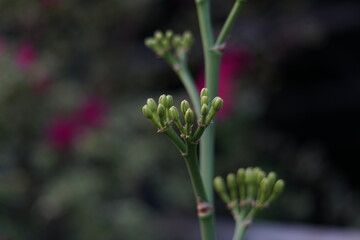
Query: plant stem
(212, 66)
(206, 220)
(240, 230)
(228, 25)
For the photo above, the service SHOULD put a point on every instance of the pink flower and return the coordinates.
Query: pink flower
(25, 55)
(63, 131)
(233, 64)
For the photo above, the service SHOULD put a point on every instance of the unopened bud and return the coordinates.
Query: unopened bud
(204, 110)
(184, 106)
(204, 92)
(169, 34)
(151, 104)
(240, 177)
(204, 100)
(220, 188)
(149, 42)
(272, 178)
(163, 100)
(189, 116)
(231, 182)
(174, 113)
(147, 112)
(177, 41)
(277, 190)
(260, 176)
(250, 180)
(158, 35)
(217, 103)
(161, 111)
(264, 191)
(170, 101)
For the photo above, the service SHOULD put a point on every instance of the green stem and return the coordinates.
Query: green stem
(206, 220)
(240, 230)
(228, 25)
(178, 142)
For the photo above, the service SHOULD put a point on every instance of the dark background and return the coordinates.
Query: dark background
(79, 161)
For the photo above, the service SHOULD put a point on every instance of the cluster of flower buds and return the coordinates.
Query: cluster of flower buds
(249, 187)
(168, 42)
(164, 114)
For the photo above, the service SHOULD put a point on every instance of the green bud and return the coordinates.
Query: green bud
(184, 106)
(161, 111)
(260, 176)
(174, 113)
(204, 110)
(151, 104)
(277, 190)
(231, 182)
(240, 177)
(272, 178)
(189, 116)
(158, 35)
(170, 101)
(220, 188)
(177, 41)
(169, 34)
(204, 92)
(204, 100)
(150, 43)
(264, 191)
(250, 180)
(163, 100)
(147, 112)
(217, 103)
(188, 39)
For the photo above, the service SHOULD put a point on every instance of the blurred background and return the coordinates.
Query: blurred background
(79, 161)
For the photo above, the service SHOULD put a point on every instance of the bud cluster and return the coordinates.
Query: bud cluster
(168, 42)
(249, 187)
(163, 114)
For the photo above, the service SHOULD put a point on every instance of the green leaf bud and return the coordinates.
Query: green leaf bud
(189, 116)
(204, 100)
(217, 103)
(147, 112)
(151, 104)
(170, 101)
(204, 92)
(231, 183)
(220, 188)
(184, 106)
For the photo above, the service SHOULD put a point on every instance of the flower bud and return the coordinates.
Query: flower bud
(220, 188)
(147, 112)
(189, 116)
(158, 35)
(177, 41)
(169, 101)
(204, 100)
(150, 43)
(169, 34)
(277, 190)
(260, 176)
(231, 182)
(217, 103)
(250, 180)
(272, 178)
(174, 113)
(162, 100)
(161, 111)
(240, 177)
(151, 104)
(184, 106)
(188, 39)
(204, 92)
(264, 191)
(204, 110)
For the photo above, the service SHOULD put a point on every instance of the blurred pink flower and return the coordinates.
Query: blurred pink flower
(25, 55)
(234, 61)
(63, 131)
